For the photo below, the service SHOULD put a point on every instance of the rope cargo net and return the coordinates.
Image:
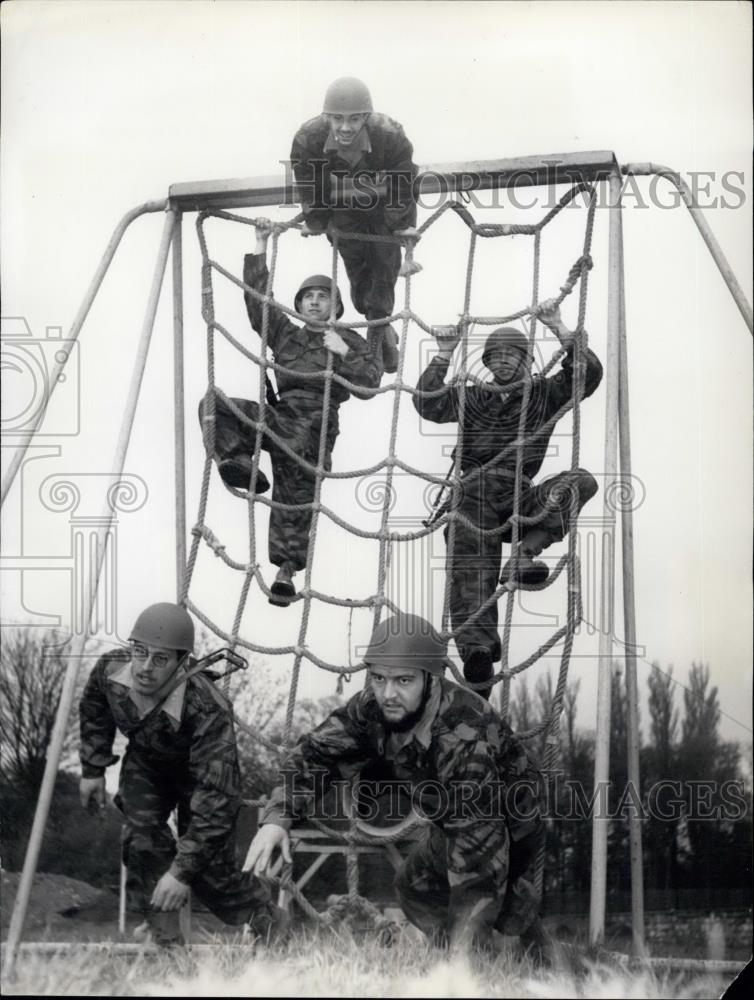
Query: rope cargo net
(455, 481)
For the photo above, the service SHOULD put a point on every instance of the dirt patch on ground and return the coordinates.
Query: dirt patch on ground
(59, 905)
(66, 909)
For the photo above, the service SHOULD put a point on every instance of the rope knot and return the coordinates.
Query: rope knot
(343, 678)
(584, 263)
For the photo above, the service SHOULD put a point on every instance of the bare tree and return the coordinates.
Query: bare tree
(32, 667)
(570, 701)
(522, 709)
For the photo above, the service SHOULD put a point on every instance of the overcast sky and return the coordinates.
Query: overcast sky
(105, 105)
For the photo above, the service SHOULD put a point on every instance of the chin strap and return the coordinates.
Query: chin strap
(181, 675)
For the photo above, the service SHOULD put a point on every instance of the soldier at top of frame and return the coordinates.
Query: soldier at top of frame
(355, 172)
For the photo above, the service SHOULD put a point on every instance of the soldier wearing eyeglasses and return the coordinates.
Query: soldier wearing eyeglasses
(181, 754)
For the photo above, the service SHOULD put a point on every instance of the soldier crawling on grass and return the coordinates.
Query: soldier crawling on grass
(296, 415)
(473, 870)
(488, 464)
(181, 753)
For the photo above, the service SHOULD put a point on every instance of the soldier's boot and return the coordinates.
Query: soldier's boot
(282, 587)
(522, 567)
(165, 928)
(383, 341)
(236, 472)
(477, 667)
(538, 944)
(271, 925)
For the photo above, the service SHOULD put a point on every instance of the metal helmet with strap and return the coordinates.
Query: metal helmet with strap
(504, 336)
(347, 96)
(407, 641)
(166, 625)
(319, 281)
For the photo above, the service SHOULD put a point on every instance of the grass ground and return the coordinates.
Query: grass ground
(319, 964)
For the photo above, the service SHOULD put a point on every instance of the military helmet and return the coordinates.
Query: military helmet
(167, 625)
(347, 96)
(504, 336)
(410, 641)
(319, 281)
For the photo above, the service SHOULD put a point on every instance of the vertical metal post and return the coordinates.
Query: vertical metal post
(600, 821)
(178, 407)
(629, 624)
(21, 903)
(122, 900)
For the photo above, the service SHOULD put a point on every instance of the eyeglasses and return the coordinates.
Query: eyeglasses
(159, 660)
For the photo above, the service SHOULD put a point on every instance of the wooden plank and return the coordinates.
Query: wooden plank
(334, 849)
(394, 855)
(312, 870)
(434, 178)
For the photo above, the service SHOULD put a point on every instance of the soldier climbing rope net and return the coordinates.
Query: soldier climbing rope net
(384, 535)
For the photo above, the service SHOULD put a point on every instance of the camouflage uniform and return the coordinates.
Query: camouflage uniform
(297, 416)
(372, 268)
(473, 779)
(491, 424)
(188, 762)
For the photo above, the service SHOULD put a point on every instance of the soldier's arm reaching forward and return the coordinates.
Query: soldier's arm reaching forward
(323, 756)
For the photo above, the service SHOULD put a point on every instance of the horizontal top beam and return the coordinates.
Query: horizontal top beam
(434, 178)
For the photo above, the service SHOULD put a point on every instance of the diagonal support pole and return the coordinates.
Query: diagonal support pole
(68, 691)
(647, 169)
(57, 372)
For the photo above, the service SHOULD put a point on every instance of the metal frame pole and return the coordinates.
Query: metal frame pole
(646, 170)
(629, 624)
(21, 903)
(600, 820)
(122, 899)
(55, 376)
(180, 457)
(179, 411)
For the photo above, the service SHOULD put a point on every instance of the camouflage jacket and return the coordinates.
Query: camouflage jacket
(199, 751)
(491, 418)
(303, 350)
(389, 157)
(466, 770)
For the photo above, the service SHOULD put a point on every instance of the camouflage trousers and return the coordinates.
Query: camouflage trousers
(488, 503)
(147, 795)
(372, 268)
(511, 907)
(297, 420)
